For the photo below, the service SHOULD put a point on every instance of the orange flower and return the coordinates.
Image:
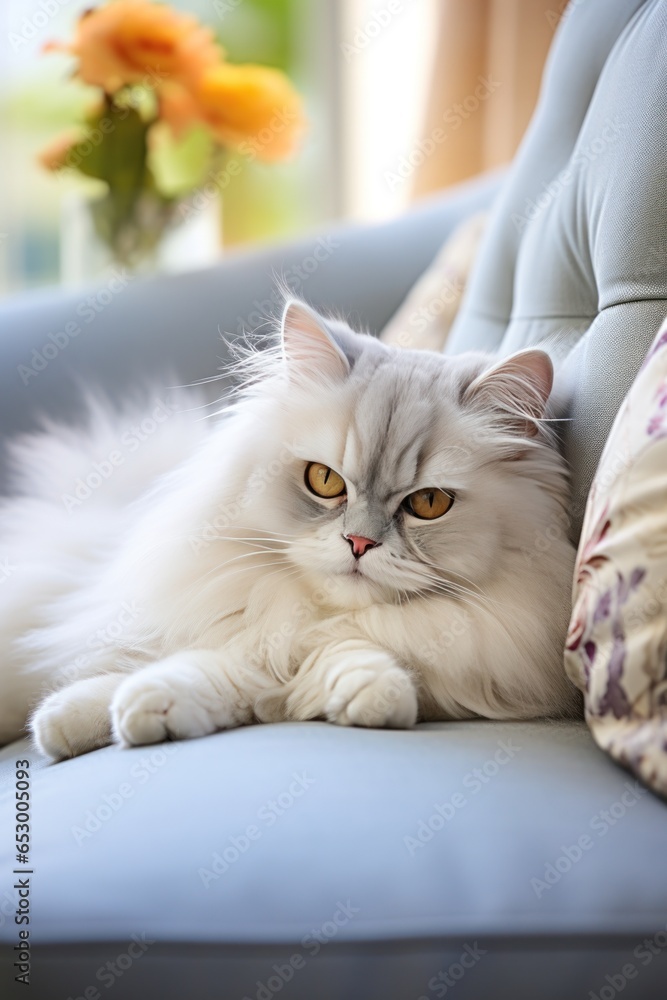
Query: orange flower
(251, 103)
(134, 41)
(138, 41)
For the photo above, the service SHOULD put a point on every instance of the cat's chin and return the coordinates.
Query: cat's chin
(354, 592)
(350, 591)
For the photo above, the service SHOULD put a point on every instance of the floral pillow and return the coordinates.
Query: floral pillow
(617, 644)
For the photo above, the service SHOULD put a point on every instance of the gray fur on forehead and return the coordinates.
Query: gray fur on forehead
(404, 405)
(426, 386)
(369, 357)
(394, 394)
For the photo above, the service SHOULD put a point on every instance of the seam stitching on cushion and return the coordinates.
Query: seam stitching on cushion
(509, 319)
(633, 302)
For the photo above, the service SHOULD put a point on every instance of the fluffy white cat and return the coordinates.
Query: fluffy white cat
(366, 535)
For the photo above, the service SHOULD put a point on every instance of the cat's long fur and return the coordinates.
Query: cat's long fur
(200, 585)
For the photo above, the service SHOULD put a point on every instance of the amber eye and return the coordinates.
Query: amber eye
(323, 481)
(428, 504)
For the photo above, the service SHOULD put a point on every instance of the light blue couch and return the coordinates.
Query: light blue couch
(471, 859)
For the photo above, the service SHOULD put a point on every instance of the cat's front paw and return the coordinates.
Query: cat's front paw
(158, 704)
(179, 698)
(76, 719)
(372, 690)
(60, 729)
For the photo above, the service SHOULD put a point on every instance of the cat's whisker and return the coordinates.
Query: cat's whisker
(243, 555)
(429, 583)
(481, 596)
(463, 598)
(260, 544)
(454, 585)
(437, 572)
(261, 537)
(237, 538)
(214, 582)
(215, 571)
(250, 527)
(475, 586)
(231, 539)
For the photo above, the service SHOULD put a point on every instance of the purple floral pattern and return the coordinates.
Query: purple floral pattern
(616, 649)
(657, 425)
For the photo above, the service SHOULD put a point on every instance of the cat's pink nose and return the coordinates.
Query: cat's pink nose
(359, 544)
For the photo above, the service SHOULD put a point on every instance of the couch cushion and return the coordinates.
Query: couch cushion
(575, 257)
(520, 842)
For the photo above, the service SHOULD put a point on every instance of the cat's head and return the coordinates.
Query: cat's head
(402, 472)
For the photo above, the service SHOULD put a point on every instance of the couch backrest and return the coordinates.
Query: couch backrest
(575, 258)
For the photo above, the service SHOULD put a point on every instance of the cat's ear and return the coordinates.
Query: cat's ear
(309, 349)
(518, 388)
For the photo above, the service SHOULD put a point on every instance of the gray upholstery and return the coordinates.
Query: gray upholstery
(120, 837)
(465, 904)
(576, 259)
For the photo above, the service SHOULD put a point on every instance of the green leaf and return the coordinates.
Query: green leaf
(114, 150)
(179, 167)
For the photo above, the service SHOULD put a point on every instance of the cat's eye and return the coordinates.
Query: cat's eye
(428, 504)
(323, 481)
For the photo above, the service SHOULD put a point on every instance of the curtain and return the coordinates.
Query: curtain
(489, 60)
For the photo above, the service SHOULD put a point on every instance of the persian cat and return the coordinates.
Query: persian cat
(367, 535)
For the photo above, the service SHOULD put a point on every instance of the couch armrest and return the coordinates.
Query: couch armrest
(126, 330)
